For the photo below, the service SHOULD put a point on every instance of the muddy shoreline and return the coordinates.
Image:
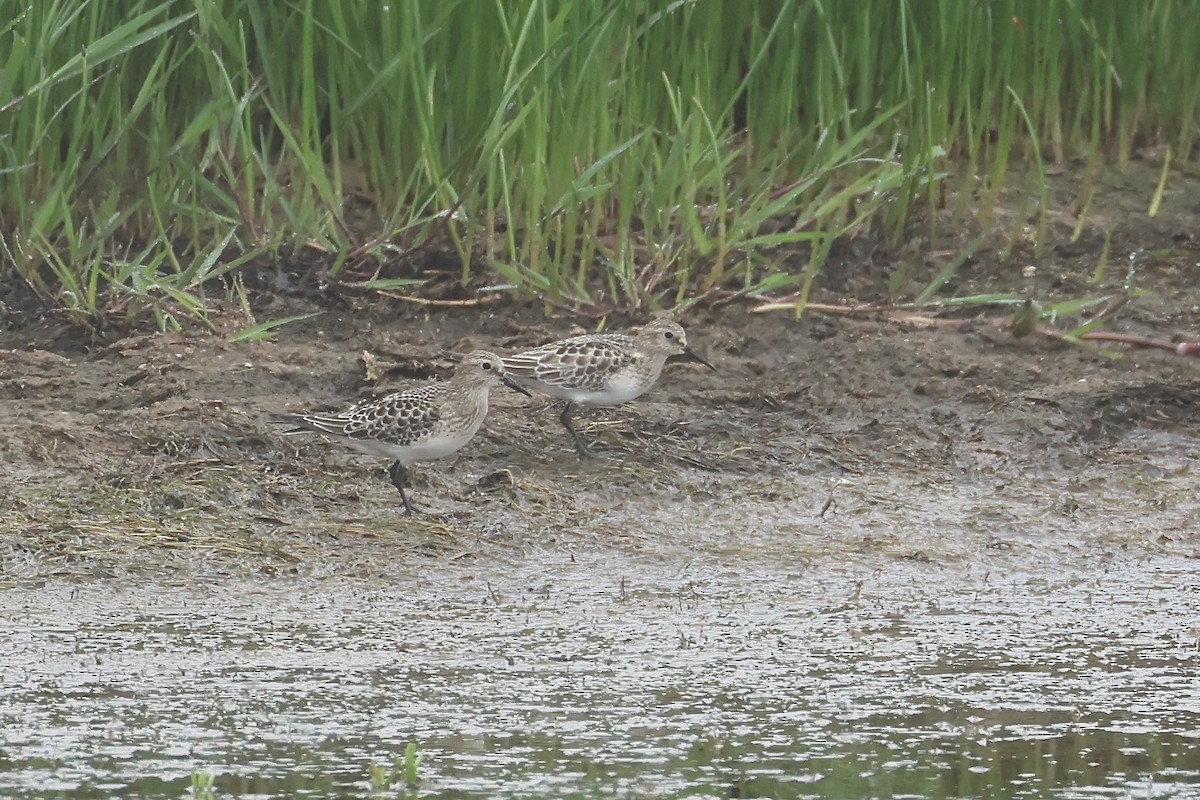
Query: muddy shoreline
(157, 455)
(823, 438)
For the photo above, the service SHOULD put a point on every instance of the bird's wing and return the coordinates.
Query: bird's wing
(399, 418)
(583, 362)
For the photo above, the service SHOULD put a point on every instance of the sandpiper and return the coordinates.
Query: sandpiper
(604, 369)
(420, 424)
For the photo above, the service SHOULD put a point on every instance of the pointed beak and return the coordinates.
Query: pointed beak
(691, 355)
(508, 381)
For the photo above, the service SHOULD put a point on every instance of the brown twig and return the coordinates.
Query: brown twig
(892, 314)
(482, 300)
(1178, 348)
(1114, 305)
(823, 308)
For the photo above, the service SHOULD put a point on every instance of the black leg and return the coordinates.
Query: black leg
(399, 475)
(581, 446)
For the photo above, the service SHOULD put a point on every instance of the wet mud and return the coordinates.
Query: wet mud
(826, 437)
(772, 552)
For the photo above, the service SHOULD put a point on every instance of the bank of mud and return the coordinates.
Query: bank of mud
(819, 438)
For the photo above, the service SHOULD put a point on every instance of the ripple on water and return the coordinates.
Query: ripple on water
(923, 682)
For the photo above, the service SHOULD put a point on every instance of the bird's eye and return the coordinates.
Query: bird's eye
(487, 365)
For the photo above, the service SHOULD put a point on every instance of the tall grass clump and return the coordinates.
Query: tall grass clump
(615, 154)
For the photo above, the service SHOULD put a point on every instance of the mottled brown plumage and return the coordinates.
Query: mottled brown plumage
(604, 369)
(417, 424)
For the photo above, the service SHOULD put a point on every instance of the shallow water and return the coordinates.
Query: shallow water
(608, 675)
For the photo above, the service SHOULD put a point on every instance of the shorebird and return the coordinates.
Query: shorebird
(420, 424)
(602, 369)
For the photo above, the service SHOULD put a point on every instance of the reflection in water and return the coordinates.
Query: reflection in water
(757, 683)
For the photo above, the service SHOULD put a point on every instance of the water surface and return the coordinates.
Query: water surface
(605, 676)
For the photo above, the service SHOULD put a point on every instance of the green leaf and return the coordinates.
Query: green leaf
(266, 330)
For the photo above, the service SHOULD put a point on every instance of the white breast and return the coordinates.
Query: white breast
(622, 387)
(439, 444)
